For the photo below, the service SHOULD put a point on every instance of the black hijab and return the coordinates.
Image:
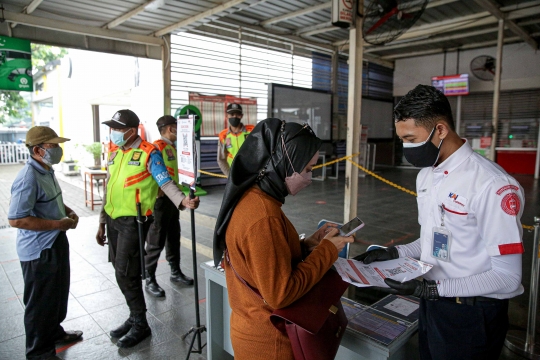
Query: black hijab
(261, 160)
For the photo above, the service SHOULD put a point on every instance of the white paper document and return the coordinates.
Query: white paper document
(359, 274)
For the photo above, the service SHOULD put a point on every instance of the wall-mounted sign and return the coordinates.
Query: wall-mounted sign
(15, 64)
(342, 13)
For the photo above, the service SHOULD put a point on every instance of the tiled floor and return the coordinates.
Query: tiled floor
(96, 304)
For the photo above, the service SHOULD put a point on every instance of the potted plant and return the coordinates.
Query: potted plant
(95, 149)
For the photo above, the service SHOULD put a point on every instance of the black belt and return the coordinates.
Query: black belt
(471, 301)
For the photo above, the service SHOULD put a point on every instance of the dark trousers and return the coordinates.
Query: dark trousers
(164, 233)
(123, 238)
(448, 330)
(46, 291)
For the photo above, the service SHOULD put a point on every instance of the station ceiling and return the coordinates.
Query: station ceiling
(137, 26)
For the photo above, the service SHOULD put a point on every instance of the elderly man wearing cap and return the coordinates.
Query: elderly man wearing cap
(38, 211)
(232, 138)
(136, 171)
(165, 230)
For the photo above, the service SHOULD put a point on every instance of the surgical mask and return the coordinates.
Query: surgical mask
(117, 137)
(234, 121)
(52, 156)
(423, 154)
(296, 181)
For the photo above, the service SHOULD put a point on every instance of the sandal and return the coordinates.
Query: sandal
(70, 336)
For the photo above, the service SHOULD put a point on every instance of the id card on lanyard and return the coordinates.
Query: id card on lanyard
(441, 240)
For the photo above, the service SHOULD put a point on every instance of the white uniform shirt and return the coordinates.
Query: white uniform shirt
(482, 207)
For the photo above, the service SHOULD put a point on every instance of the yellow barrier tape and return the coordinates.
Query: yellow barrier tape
(383, 179)
(335, 161)
(212, 174)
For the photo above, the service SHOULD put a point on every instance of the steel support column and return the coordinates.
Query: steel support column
(166, 66)
(353, 116)
(497, 90)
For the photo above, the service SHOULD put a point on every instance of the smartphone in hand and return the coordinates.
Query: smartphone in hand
(351, 227)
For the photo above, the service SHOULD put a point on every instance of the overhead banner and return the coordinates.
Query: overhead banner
(186, 150)
(15, 64)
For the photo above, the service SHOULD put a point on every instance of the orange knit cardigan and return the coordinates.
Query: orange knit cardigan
(265, 251)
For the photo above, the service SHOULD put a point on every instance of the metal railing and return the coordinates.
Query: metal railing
(13, 154)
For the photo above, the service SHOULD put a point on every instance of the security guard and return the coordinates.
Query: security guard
(232, 138)
(165, 230)
(135, 170)
(469, 210)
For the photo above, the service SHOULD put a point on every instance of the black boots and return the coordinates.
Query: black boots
(152, 286)
(123, 329)
(178, 276)
(138, 332)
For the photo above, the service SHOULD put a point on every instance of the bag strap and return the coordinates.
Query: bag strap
(253, 290)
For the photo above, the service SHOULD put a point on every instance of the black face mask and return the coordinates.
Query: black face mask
(234, 121)
(423, 154)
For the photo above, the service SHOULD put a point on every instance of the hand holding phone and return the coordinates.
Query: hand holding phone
(351, 227)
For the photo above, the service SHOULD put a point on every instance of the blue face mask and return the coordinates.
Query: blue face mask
(117, 137)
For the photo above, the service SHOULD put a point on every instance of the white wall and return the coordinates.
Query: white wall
(520, 69)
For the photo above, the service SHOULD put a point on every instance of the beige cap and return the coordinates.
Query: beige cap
(43, 135)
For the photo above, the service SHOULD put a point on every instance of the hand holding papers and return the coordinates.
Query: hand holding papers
(359, 274)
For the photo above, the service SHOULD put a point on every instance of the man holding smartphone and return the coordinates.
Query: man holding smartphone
(469, 210)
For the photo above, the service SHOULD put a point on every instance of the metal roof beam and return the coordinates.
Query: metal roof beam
(314, 27)
(200, 16)
(442, 50)
(29, 9)
(435, 40)
(464, 22)
(296, 13)
(119, 20)
(72, 28)
(492, 7)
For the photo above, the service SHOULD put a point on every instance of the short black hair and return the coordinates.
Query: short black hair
(425, 105)
(162, 129)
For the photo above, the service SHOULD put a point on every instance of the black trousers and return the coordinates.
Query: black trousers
(123, 238)
(46, 291)
(164, 233)
(448, 330)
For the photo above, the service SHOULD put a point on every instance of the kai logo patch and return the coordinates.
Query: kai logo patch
(458, 199)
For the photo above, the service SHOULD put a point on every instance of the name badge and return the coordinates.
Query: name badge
(441, 243)
(136, 163)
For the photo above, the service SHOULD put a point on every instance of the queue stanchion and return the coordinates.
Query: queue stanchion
(523, 343)
(198, 329)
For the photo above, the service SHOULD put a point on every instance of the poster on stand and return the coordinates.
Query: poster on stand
(186, 150)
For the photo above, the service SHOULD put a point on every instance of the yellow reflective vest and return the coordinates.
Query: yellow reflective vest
(233, 142)
(128, 172)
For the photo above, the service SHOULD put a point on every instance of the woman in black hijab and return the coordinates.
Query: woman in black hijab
(261, 243)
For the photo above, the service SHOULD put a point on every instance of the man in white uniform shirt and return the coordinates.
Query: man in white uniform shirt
(471, 207)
